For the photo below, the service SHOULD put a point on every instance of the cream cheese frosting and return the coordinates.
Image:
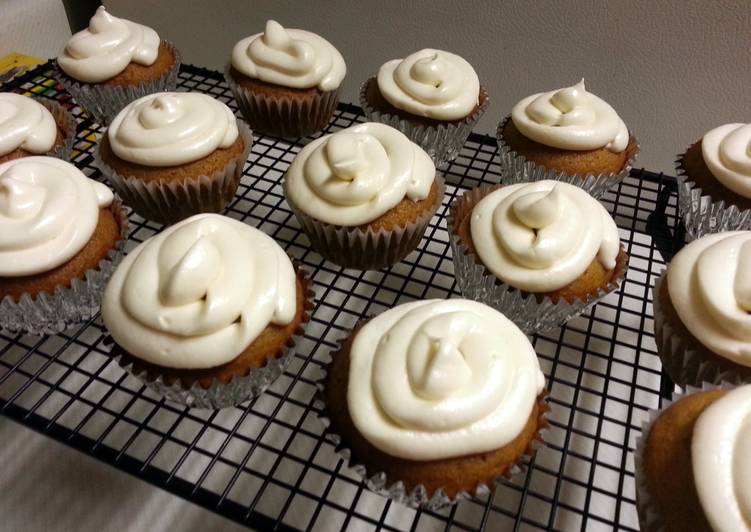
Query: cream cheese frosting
(441, 378)
(430, 83)
(357, 174)
(541, 236)
(48, 212)
(571, 119)
(198, 293)
(172, 128)
(107, 47)
(721, 461)
(710, 289)
(727, 154)
(291, 58)
(25, 124)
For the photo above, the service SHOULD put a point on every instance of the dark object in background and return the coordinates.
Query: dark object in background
(79, 12)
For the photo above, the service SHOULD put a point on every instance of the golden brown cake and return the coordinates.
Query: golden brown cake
(20, 152)
(32, 127)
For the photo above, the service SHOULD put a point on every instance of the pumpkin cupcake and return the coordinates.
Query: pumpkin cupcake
(567, 135)
(61, 235)
(714, 181)
(174, 154)
(539, 252)
(692, 463)
(435, 400)
(702, 310)
(113, 62)
(286, 82)
(433, 97)
(207, 311)
(364, 195)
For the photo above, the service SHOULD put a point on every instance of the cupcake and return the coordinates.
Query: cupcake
(433, 97)
(113, 62)
(567, 135)
(174, 154)
(34, 127)
(435, 400)
(364, 195)
(714, 182)
(61, 235)
(539, 252)
(286, 82)
(692, 464)
(207, 311)
(702, 310)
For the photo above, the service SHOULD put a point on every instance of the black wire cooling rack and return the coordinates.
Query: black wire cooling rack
(266, 464)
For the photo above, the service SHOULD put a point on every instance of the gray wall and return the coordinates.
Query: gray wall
(671, 69)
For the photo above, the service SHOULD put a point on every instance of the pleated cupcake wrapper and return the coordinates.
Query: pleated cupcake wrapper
(238, 390)
(515, 168)
(650, 519)
(66, 306)
(531, 315)
(352, 247)
(280, 116)
(102, 102)
(442, 142)
(683, 364)
(701, 214)
(66, 123)
(419, 497)
(168, 202)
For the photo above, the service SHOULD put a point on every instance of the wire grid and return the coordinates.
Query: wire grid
(267, 464)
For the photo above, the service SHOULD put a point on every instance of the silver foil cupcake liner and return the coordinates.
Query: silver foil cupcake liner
(281, 116)
(684, 364)
(67, 125)
(66, 306)
(442, 142)
(515, 168)
(102, 102)
(530, 313)
(168, 202)
(352, 247)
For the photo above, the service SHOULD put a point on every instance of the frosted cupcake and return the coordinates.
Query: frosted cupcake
(433, 97)
(539, 252)
(364, 195)
(174, 154)
(286, 82)
(61, 235)
(31, 127)
(435, 400)
(567, 135)
(207, 311)
(113, 62)
(714, 181)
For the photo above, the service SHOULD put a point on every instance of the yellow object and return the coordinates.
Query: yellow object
(11, 61)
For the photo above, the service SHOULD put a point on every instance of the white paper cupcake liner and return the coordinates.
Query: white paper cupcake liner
(102, 102)
(283, 117)
(442, 142)
(352, 247)
(530, 313)
(168, 202)
(67, 306)
(66, 123)
(515, 168)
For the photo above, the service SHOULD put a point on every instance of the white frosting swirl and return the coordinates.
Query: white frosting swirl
(541, 236)
(198, 293)
(441, 378)
(172, 128)
(48, 211)
(26, 124)
(710, 289)
(357, 174)
(727, 153)
(292, 58)
(571, 119)
(107, 47)
(430, 83)
(722, 462)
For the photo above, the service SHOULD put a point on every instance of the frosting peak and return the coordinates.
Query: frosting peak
(26, 124)
(727, 153)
